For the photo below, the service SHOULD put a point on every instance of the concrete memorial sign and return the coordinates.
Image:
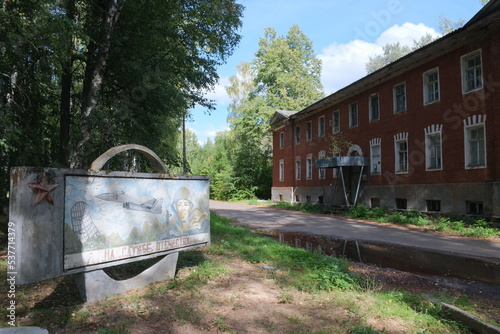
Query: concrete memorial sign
(69, 221)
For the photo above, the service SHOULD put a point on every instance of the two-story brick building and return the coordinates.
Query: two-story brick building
(423, 129)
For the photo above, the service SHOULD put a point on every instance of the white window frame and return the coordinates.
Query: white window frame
(309, 135)
(470, 124)
(321, 126)
(398, 140)
(370, 107)
(322, 171)
(433, 131)
(351, 115)
(282, 139)
(376, 160)
(298, 169)
(435, 86)
(336, 122)
(395, 97)
(309, 173)
(477, 71)
(282, 169)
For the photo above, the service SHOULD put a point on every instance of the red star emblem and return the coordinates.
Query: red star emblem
(43, 190)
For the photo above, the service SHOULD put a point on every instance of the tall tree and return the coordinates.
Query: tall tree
(288, 70)
(394, 51)
(285, 74)
(78, 77)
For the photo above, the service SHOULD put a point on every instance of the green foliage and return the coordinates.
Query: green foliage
(121, 329)
(362, 212)
(394, 51)
(288, 71)
(360, 329)
(70, 83)
(285, 74)
(308, 271)
(302, 207)
(479, 228)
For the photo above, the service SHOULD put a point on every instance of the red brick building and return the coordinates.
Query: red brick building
(423, 129)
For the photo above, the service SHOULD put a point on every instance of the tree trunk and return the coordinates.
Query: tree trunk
(94, 77)
(66, 90)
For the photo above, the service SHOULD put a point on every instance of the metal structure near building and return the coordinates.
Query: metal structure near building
(345, 162)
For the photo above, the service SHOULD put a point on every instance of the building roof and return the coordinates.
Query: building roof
(474, 27)
(280, 116)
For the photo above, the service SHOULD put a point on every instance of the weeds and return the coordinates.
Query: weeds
(479, 228)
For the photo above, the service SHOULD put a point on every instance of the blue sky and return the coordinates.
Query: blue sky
(344, 35)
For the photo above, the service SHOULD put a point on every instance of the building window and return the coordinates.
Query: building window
(476, 147)
(472, 73)
(375, 202)
(433, 205)
(433, 147)
(374, 108)
(375, 156)
(297, 169)
(309, 134)
(321, 200)
(308, 199)
(298, 243)
(336, 121)
(401, 203)
(281, 197)
(282, 139)
(401, 150)
(353, 115)
(322, 171)
(474, 208)
(297, 135)
(434, 151)
(297, 198)
(282, 170)
(475, 141)
(399, 98)
(309, 246)
(431, 86)
(309, 167)
(321, 126)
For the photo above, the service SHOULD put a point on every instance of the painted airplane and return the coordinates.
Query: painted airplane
(131, 203)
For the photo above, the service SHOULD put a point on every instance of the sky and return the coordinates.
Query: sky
(344, 34)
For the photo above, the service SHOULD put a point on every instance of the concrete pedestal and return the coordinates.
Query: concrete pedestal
(96, 285)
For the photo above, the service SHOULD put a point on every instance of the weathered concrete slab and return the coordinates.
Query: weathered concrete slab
(97, 285)
(24, 330)
(356, 161)
(67, 221)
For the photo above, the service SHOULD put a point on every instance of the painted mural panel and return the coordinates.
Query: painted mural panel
(111, 218)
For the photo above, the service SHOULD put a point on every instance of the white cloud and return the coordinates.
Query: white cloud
(345, 63)
(405, 34)
(203, 133)
(218, 93)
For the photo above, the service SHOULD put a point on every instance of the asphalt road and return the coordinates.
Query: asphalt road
(288, 221)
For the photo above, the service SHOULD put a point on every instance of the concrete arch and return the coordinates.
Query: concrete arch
(355, 149)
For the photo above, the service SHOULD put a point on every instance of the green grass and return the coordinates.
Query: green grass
(323, 279)
(316, 273)
(302, 207)
(468, 227)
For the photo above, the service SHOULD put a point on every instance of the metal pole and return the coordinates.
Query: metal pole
(184, 159)
(343, 185)
(359, 183)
